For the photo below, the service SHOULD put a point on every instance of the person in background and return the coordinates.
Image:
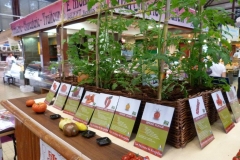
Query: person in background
(218, 69)
(10, 60)
(237, 54)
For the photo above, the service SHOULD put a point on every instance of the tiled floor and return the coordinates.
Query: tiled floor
(9, 92)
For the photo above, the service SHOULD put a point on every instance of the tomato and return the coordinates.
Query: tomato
(235, 158)
(64, 88)
(139, 158)
(238, 154)
(30, 102)
(39, 107)
(131, 155)
(125, 157)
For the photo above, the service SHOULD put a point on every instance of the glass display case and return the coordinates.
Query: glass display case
(42, 77)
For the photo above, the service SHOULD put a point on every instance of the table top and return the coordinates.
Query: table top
(48, 130)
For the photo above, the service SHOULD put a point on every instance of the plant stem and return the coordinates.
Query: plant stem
(97, 45)
(164, 47)
(62, 56)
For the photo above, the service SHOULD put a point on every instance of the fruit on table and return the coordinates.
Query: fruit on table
(39, 107)
(64, 121)
(70, 129)
(235, 158)
(132, 156)
(81, 126)
(30, 102)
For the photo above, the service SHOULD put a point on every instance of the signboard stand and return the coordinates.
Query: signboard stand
(233, 100)
(52, 92)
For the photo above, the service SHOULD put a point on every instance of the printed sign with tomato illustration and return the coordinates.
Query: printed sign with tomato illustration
(223, 111)
(201, 121)
(62, 96)
(48, 153)
(52, 92)
(104, 111)
(233, 100)
(154, 127)
(73, 100)
(124, 118)
(86, 108)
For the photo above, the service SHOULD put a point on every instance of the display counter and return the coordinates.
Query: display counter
(31, 127)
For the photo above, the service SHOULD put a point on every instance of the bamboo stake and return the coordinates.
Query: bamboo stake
(61, 50)
(164, 48)
(97, 43)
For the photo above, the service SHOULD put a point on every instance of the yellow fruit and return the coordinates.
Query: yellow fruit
(63, 122)
(81, 126)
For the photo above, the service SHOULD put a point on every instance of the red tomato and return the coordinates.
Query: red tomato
(131, 155)
(235, 158)
(238, 154)
(125, 157)
(39, 107)
(139, 158)
(156, 115)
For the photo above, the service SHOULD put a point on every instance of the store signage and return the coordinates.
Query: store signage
(233, 100)
(154, 127)
(223, 111)
(44, 18)
(62, 96)
(103, 114)
(52, 92)
(86, 108)
(201, 122)
(124, 118)
(73, 100)
(174, 20)
(74, 9)
(48, 153)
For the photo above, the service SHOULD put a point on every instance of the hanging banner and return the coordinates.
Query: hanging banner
(223, 111)
(154, 127)
(44, 18)
(73, 100)
(233, 100)
(124, 118)
(52, 92)
(201, 122)
(86, 108)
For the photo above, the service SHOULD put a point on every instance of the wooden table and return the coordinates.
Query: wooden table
(31, 127)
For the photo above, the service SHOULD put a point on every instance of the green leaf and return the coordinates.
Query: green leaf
(114, 86)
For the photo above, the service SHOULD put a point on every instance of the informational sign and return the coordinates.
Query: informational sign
(201, 122)
(86, 108)
(154, 127)
(233, 100)
(124, 118)
(73, 100)
(62, 96)
(48, 153)
(104, 111)
(52, 92)
(223, 111)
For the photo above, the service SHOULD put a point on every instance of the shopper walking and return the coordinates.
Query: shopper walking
(218, 70)
(10, 60)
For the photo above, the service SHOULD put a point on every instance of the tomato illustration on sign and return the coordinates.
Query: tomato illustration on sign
(89, 98)
(107, 101)
(219, 101)
(156, 115)
(64, 88)
(54, 86)
(75, 92)
(197, 108)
